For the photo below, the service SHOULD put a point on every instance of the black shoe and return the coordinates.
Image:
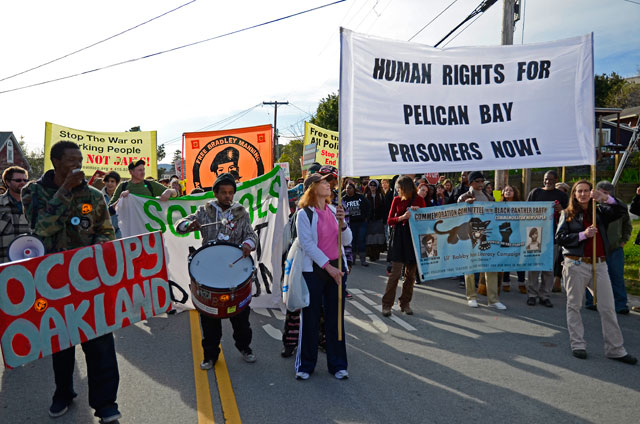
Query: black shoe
(627, 359)
(531, 301)
(623, 311)
(582, 354)
(592, 307)
(288, 351)
(59, 407)
(546, 302)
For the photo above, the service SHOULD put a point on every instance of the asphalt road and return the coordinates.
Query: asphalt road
(448, 363)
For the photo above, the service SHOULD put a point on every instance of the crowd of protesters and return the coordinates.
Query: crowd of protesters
(372, 218)
(378, 214)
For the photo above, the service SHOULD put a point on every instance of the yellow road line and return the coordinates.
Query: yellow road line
(225, 389)
(203, 395)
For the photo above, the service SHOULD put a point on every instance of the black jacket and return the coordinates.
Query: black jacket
(567, 234)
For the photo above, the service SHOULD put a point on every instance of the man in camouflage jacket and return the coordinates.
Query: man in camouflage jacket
(67, 213)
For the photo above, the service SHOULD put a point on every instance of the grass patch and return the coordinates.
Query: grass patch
(632, 262)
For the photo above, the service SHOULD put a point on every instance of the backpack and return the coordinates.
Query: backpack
(292, 226)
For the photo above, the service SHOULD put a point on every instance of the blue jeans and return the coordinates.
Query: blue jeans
(102, 370)
(359, 231)
(615, 263)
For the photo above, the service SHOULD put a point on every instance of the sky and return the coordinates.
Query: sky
(222, 83)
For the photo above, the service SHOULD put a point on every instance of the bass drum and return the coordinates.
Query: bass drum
(220, 279)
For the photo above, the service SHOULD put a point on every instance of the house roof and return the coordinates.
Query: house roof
(8, 135)
(625, 113)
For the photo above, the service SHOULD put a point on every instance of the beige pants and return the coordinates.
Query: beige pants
(577, 276)
(491, 279)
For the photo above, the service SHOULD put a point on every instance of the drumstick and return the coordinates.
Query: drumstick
(235, 262)
(223, 222)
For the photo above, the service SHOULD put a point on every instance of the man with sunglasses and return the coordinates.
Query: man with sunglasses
(12, 219)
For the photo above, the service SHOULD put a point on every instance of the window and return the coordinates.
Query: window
(9, 151)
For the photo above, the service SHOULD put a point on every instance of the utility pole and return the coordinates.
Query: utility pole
(509, 13)
(275, 128)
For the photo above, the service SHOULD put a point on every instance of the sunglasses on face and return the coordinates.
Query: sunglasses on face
(478, 181)
(19, 180)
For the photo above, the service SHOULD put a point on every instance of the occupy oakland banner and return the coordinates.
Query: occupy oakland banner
(484, 236)
(265, 198)
(326, 143)
(245, 152)
(53, 302)
(407, 107)
(105, 151)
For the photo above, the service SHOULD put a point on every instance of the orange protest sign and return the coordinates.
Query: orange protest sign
(246, 152)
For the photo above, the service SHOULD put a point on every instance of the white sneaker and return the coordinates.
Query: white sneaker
(300, 375)
(342, 375)
(472, 303)
(498, 305)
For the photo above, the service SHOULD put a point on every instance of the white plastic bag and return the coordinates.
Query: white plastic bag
(295, 292)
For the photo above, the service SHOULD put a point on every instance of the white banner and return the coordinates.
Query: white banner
(411, 108)
(265, 198)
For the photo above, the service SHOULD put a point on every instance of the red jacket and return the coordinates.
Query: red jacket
(399, 207)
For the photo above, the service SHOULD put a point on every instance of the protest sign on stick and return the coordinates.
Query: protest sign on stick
(53, 302)
(244, 152)
(106, 151)
(407, 107)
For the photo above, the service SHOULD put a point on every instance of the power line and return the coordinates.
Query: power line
(174, 48)
(230, 122)
(431, 21)
(378, 16)
(461, 31)
(301, 110)
(482, 7)
(97, 42)
(173, 140)
(630, 1)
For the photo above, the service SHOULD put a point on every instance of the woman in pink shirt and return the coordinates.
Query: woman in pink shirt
(318, 224)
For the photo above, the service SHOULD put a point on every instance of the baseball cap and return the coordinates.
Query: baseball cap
(329, 170)
(314, 178)
(137, 163)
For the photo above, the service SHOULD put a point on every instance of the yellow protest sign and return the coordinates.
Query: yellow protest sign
(326, 143)
(105, 151)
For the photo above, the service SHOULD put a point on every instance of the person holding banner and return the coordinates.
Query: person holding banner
(138, 185)
(111, 181)
(511, 194)
(476, 193)
(238, 232)
(318, 234)
(401, 253)
(67, 213)
(576, 231)
(540, 283)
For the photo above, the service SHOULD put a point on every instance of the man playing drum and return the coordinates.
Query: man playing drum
(228, 222)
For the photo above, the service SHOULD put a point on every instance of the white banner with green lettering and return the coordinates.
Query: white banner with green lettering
(265, 198)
